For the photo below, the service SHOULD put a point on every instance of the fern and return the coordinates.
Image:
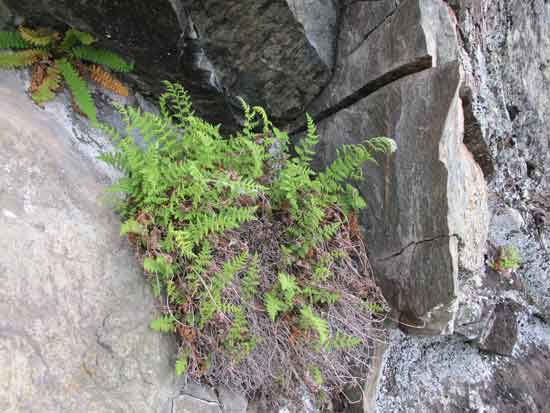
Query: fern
(175, 104)
(103, 57)
(45, 48)
(251, 281)
(244, 244)
(164, 324)
(79, 89)
(306, 148)
(73, 37)
(158, 265)
(312, 321)
(46, 91)
(289, 287)
(22, 58)
(182, 363)
(107, 81)
(39, 37)
(273, 305)
(342, 341)
(131, 226)
(13, 40)
(316, 375)
(227, 219)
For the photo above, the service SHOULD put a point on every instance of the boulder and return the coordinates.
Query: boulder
(426, 213)
(446, 375)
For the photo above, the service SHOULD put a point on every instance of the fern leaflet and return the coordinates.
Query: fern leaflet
(103, 57)
(79, 89)
(13, 40)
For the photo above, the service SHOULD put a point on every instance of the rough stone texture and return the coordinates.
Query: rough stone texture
(501, 333)
(505, 49)
(320, 20)
(74, 330)
(417, 35)
(359, 19)
(425, 199)
(428, 206)
(74, 307)
(256, 59)
(217, 49)
(446, 375)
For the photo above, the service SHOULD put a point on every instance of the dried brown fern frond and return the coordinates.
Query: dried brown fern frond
(38, 75)
(40, 37)
(51, 80)
(106, 79)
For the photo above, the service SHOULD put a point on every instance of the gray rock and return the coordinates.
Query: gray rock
(417, 35)
(231, 402)
(319, 19)
(217, 49)
(262, 52)
(446, 375)
(75, 309)
(426, 202)
(501, 333)
(358, 20)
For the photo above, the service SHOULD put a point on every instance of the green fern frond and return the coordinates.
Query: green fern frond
(381, 144)
(273, 305)
(131, 226)
(103, 57)
(46, 91)
(233, 266)
(306, 148)
(310, 320)
(13, 40)
(342, 341)
(182, 364)
(73, 37)
(229, 218)
(251, 281)
(38, 37)
(158, 265)
(163, 324)
(175, 103)
(22, 58)
(79, 89)
(289, 287)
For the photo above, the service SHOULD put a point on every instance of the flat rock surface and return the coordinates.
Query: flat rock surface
(74, 307)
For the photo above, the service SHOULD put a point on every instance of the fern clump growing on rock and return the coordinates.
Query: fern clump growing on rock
(55, 58)
(257, 260)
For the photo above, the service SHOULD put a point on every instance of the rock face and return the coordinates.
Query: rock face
(74, 306)
(74, 330)
(401, 41)
(428, 201)
(463, 86)
(423, 201)
(218, 49)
